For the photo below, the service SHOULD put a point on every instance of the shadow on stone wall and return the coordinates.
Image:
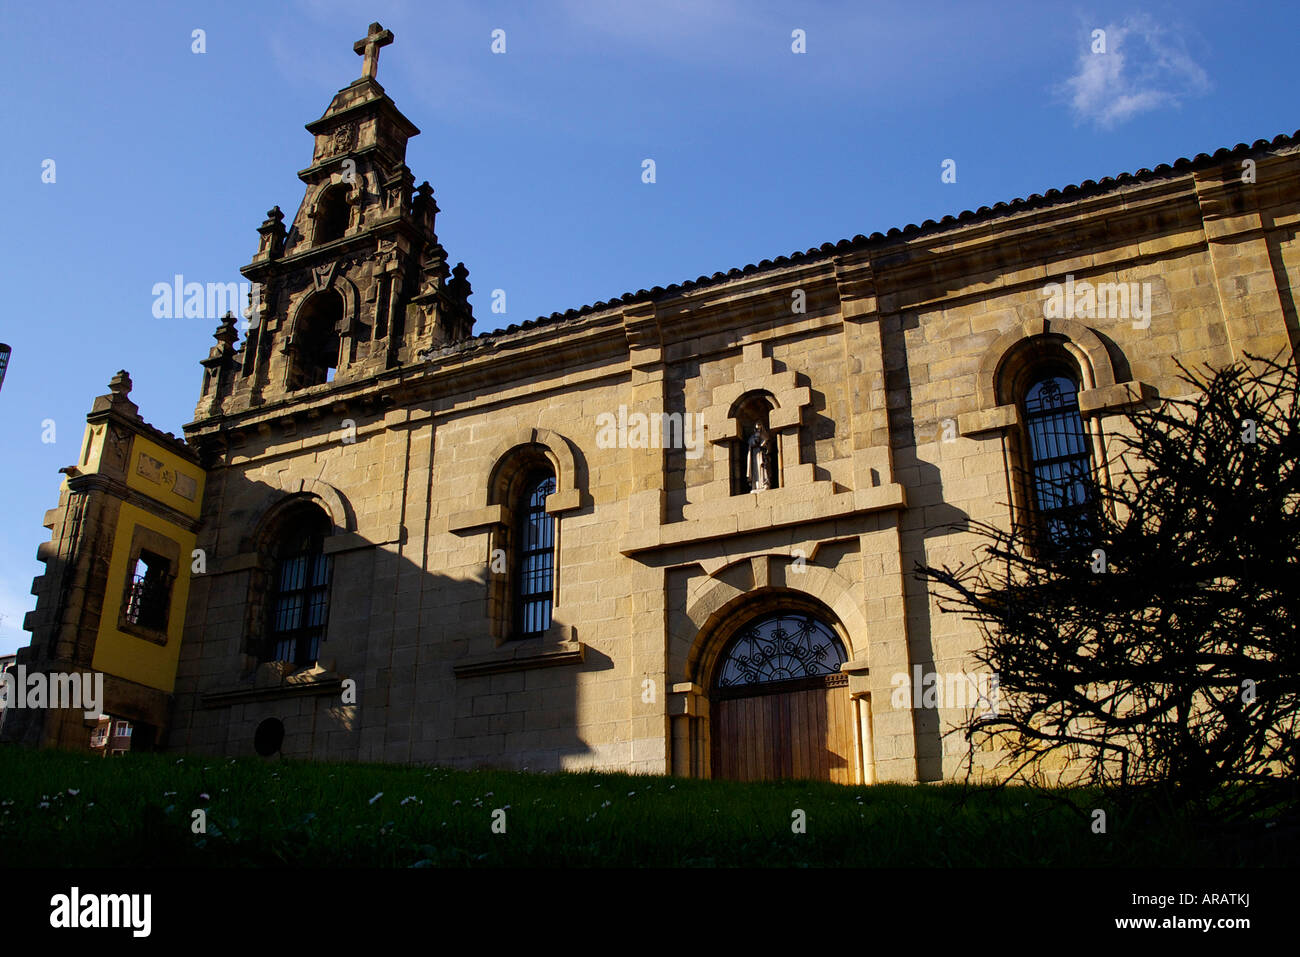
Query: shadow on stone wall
(916, 526)
(385, 687)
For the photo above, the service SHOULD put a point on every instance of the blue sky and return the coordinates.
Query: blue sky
(166, 160)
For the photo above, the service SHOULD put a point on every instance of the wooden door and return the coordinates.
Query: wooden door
(789, 729)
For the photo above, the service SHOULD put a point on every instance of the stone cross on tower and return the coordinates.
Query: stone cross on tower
(376, 37)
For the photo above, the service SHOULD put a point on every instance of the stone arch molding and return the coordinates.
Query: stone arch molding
(1081, 342)
(1100, 392)
(327, 279)
(294, 491)
(557, 449)
(715, 600)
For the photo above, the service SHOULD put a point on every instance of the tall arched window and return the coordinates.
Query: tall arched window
(1059, 462)
(332, 214)
(298, 606)
(314, 356)
(530, 485)
(534, 579)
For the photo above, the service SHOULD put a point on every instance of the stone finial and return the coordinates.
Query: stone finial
(120, 384)
(433, 269)
(119, 390)
(459, 290)
(459, 284)
(226, 335)
(271, 234)
(424, 207)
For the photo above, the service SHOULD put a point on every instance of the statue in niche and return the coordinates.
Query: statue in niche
(760, 458)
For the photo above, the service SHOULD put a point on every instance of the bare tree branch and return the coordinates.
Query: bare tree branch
(1176, 669)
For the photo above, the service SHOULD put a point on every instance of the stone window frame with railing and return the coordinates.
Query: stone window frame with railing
(146, 541)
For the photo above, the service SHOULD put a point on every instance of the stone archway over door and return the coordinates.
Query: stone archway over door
(780, 708)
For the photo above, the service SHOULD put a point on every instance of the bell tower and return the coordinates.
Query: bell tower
(357, 282)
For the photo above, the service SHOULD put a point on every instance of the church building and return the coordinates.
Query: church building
(672, 533)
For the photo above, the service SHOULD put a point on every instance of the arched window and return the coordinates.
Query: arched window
(1059, 464)
(298, 605)
(315, 351)
(781, 647)
(534, 577)
(332, 214)
(530, 485)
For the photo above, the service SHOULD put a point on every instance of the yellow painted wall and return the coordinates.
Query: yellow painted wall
(158, 473)
(117, 652)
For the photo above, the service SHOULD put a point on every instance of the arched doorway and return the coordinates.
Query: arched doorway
(779, 704)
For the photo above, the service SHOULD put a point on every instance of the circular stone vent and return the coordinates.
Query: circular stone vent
(268, 737)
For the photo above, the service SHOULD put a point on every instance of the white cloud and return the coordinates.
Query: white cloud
(1145, 67)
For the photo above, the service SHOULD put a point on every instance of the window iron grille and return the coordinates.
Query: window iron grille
(1060, 463)
(299, 607)
(535, 573)
(781, 647)
(149, 593)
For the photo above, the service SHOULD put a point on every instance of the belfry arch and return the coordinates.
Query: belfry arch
(315, 349)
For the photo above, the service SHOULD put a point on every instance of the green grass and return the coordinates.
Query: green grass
(71, 810)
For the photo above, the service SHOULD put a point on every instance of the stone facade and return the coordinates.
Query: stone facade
(887, 369)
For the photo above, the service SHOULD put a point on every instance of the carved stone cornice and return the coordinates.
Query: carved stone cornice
(98, 482)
